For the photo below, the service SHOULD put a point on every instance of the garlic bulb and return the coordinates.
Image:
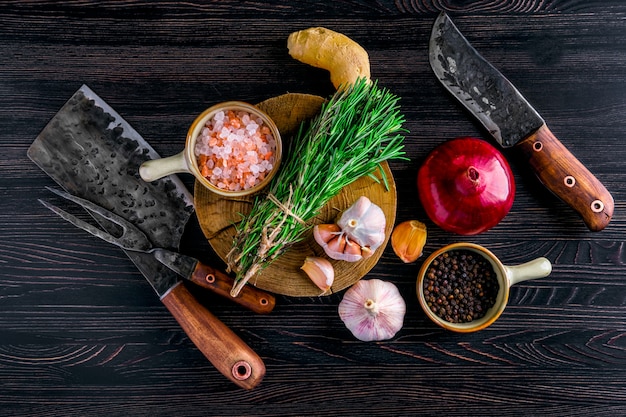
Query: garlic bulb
(320, 271)
(357, 234)
(364, 222)
(373, 310)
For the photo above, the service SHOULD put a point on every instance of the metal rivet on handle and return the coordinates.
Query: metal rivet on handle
(537, 146)
(210, 278)
(569, 181)
(242, 370)
(597, 206)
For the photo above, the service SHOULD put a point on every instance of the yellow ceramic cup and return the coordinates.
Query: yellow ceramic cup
(186, 161)
(506, 276)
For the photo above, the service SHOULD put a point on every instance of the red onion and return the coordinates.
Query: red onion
(466, 186)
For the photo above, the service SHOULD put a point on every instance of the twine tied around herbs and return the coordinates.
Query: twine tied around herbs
(269, 237)
(285, 207)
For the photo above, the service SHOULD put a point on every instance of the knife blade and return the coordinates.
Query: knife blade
(93, 153)
(512, 121)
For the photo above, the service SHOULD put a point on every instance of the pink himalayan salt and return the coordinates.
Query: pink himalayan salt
(235, 151)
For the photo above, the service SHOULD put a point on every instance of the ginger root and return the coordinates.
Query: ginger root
(323, 48)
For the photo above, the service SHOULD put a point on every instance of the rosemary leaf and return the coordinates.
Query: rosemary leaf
(356, 130)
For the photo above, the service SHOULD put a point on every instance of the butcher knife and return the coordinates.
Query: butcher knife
(512, 121)
(93, 153)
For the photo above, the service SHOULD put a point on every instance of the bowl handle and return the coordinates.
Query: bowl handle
(159, 168)
(537, 268)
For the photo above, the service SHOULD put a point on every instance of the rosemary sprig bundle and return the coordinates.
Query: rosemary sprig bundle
(356, 130)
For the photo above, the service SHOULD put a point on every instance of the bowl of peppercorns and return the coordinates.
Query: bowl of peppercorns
(464, 287)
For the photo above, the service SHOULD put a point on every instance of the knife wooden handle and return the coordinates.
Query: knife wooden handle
(250, 297)
(221, 346)
(568, 178)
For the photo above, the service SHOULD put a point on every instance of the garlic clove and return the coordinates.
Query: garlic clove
(352, 248)
(336, 245)
(373, 310)
(320, 271)
(322, 233)
(408, 239)
(364, 222)
(366, 252)
(348, 257)
(341, 249)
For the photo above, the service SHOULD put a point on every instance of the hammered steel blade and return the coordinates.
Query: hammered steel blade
(479, 86)
(93, 153)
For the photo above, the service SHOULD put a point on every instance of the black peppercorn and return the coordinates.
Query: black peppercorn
(467, 282)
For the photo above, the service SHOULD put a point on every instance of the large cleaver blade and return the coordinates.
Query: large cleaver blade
(93, 153)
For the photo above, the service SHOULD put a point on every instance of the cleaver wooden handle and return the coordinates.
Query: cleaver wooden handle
(250, 297)
(568, 178)
(221, 346)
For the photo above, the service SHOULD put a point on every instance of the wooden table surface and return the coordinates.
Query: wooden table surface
(83, 334)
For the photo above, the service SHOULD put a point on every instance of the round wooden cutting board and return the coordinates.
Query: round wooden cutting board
(217, 215)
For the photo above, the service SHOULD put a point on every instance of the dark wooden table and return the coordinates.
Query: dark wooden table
(81, 330)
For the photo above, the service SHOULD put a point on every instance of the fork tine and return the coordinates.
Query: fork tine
(132, 238)
(94, 208)
(81, 224)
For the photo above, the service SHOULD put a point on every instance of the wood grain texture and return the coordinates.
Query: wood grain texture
(231, 356)
(567, 178)
(82, 332)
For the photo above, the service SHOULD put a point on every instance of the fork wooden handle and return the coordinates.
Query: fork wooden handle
(250, 297)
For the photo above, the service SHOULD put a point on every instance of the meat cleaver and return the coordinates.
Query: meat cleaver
(512, 121)
(90, 151)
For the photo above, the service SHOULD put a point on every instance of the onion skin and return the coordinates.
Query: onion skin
(466, 186)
